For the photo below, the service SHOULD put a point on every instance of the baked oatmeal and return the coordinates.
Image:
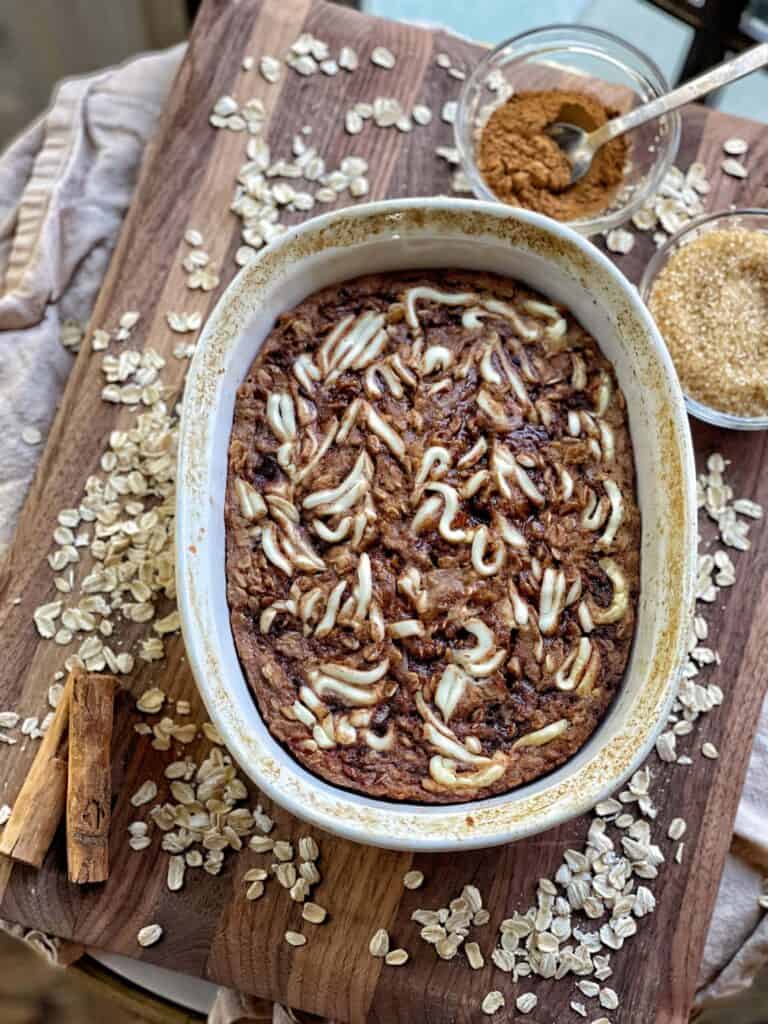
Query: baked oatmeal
(433, 539)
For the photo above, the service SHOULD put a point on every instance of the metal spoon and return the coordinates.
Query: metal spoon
(580, 146)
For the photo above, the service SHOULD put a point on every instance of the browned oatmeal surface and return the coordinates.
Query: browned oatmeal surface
(432, 534)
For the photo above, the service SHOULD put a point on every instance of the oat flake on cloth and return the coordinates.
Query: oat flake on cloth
(65, 185)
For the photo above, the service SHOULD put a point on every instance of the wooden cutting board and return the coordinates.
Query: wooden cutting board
(210, 931)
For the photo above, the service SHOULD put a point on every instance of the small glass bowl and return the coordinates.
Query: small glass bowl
(592, 61)
(753, 219)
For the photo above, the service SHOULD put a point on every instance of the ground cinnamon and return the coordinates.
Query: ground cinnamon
(523, 166)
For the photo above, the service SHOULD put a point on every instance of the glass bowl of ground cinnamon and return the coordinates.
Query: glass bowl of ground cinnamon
(707, 289)
(563, 73)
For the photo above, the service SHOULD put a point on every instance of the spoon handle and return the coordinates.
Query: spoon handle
(728, 71)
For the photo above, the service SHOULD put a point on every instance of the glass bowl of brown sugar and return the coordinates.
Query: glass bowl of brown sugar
(563, 73)
(707, 290)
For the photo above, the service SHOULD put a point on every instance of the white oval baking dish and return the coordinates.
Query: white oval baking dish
(441, 232)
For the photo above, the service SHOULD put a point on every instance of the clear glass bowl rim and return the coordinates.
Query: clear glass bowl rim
(703, 412)
(649, 70)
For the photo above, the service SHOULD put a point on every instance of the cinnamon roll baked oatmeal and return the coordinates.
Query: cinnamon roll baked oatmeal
(433, 538)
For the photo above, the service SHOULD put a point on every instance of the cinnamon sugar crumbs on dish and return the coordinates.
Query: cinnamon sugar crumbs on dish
(711, 304)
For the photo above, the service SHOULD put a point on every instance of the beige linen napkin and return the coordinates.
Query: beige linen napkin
(65, 185)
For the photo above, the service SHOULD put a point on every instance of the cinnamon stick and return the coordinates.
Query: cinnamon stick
(89, 787)
(40, 804)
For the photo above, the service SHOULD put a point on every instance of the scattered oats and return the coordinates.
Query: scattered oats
(645, 219)
(379, 944)
(295, 939)
(745, 507)
(710, 750)
(309, 871)
(460, 182)
(396, 958)
(588, 988)
(176, 868)
(433, 933)
(448, 113)
(283, 850)
(348, 59)
(304, 65)
(762, 901)
(443, 60)
(314, 913)
(608, 998)
(225, 106)
(5, 813)
(308, 848)
(386, 111)
(413, 879)
(448, 947)
(457, 73)
(383, 58)
(44, 616)
(644, 902)
(261, 844)
(474, 956)
(129, 320)
(211, 733)
(471, 895)
(151, 701)
(193, 237)
(620, 241)
(734, 168)
(170, 624)
(679, 853)
(665, 746)
(8, 719)
(99, 340)
(526, 1002)
(325, 195)
(147, 791)
(353, 122)
(255, 875)
(608, 807)
(448, 153)
(329, 67)
(71, 335)
(270, 69)
(149, 935)
(31, 435)
(676, 828)
(495, 1001)
(255, 890)
(285, 874)
(579, 1008)
(421, 114)
(481, 917)
(735, 147)
(183, 323)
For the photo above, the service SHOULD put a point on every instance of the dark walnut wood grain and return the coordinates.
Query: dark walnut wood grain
(210, 930)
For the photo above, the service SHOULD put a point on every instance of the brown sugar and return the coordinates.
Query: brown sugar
(524, 167)
(711, 305)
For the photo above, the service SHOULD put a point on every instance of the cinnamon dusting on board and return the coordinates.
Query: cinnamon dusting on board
(524, 167)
